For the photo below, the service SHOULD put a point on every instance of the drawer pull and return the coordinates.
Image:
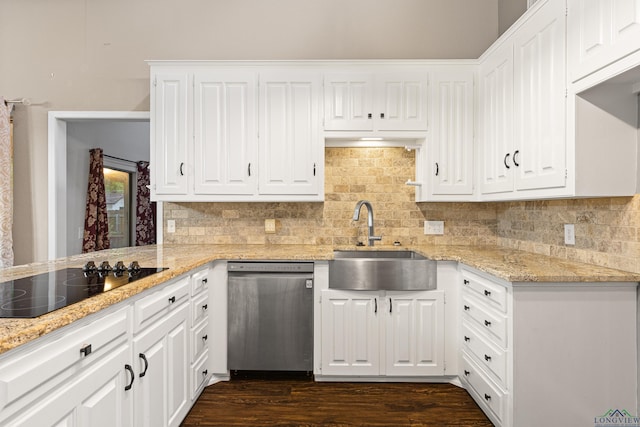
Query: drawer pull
(205, 280)
(466, 339)
(205, 372)
(172, 299)
(487, 323)
(86, 350)
(204, 307)
(487, 397)
(133, 377)
(467, 308)
(204, 338)
(487, 293)
(465, 281)
(466, 373)
(146, 364)
(487, 358)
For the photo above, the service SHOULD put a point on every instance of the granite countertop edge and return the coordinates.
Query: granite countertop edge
(507, 264)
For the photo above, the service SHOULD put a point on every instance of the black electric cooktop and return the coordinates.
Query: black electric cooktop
(36, 295)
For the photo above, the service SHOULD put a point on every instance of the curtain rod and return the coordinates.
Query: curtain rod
(119, 158)
(23, 101)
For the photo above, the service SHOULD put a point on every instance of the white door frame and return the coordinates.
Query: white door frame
(57, 174)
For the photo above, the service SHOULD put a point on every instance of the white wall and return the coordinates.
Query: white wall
(124, 139)
(70, 55)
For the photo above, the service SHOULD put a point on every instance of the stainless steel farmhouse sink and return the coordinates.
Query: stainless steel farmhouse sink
(382, 270)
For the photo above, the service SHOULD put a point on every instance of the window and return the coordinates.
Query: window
(117, 185)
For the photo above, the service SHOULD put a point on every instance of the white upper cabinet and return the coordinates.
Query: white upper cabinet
(225, 143)
(540, 100)
(291, 151)
(170, 131)
(601, 32)
(450, 148)
(376, 100)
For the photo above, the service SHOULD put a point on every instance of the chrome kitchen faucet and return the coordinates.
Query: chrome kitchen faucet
(356, 216)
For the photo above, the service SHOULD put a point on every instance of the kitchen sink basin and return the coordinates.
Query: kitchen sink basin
(382, 270)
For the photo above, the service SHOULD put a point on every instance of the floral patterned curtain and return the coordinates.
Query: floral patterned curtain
(96, 223)
(145, 209)
(6, 186)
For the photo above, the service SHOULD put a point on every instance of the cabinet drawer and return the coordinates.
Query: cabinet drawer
(199, 375)
(199, 340)
(490, 356)
(50, 362)
(199, 308)
(483, 390)
(486, 319)
(492, 293)
(199, 281)
(160, 303)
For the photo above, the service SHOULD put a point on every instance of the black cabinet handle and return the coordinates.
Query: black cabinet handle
(249, 169)
(465, 281)
(487, 358)
(487, 397)
(437, 169)
(181, 171)
(390, 305)
(369, 116)
(382, 115)
(487, 323)
(515, 153)
(467, 308)
(375, 301)
(314, 169)
(205, 280)
(146, 364)
(86, 350)
(506, 157)
(205, 372)
(204, 338)
(204, 307)
(487, 293)
(172, 299)
(466, 339)
(466, 373)
(133, 377)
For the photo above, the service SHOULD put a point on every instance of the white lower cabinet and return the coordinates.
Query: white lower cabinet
(132, 364)
(370, 333)
(536, 354)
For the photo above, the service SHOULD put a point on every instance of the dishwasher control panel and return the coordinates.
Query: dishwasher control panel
(269, 267)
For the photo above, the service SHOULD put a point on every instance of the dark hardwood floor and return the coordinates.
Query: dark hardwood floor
(251, 399)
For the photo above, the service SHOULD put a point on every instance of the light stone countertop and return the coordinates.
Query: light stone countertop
(507, 264)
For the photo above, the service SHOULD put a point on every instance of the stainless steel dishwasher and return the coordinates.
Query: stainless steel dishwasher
(270, 316)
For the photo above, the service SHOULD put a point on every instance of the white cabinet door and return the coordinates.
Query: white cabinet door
(350, 333)
(415, 333)
(401, 101)
(97, 397)
(291, 153)
(348, 101)
(225, 140)
(452, 140)
(540, 99)
(496, 122)
(171, 133)
(162, 371)
(601, 32)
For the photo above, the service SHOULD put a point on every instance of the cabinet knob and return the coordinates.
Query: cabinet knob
(86, 350)
(467, 308)
(172, 299)
(466, 373)
(369, 116)
(487, 397)
(465, 281)
(487, 323)
(382, 115)
(487, 293)
(204, 307)
(205, 280)
(487, 358)
(205, 372)
(467, 339)
(204, 338)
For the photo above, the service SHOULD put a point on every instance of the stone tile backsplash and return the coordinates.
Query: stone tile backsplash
(606, 229)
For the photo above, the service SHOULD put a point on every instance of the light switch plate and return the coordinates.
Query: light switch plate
(434, 227)
(569, 234)
(270, 226)
(171, 226)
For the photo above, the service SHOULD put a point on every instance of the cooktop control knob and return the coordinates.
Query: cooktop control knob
(90, 267)
(119, 267)
(104, 267)
(134, 267)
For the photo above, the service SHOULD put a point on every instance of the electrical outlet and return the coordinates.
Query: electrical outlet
(434, 227)
(569, 234)
(270, 226)
(171, 226)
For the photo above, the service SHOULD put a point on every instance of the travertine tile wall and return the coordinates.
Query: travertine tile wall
(607, 229)
(351, 174)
